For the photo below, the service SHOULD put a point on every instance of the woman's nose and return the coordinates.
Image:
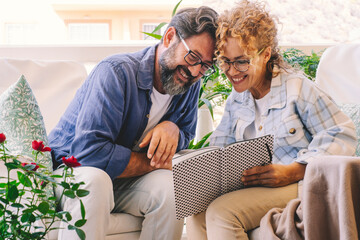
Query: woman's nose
(232, 70)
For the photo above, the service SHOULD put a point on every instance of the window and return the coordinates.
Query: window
(20, 33)
(89, 32)
(149, 28)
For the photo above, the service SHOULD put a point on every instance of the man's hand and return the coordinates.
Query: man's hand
(274, 175)
(163, 141)
(139, 165)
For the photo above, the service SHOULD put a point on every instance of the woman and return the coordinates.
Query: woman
(267, 98)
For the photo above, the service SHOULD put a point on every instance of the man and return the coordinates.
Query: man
(128, 119)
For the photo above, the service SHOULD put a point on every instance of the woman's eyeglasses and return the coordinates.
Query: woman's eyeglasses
(240, 65)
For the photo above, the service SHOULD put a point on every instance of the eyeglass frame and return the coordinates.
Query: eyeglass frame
(211, 67)
(247, 61)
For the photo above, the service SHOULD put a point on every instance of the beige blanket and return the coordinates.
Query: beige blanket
(329, 207)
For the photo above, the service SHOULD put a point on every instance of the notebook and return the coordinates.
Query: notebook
(202, 175)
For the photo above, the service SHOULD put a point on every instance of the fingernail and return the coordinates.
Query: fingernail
(152, 163)
(149, 155)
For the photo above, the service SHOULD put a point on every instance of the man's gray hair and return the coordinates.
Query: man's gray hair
(193, 21)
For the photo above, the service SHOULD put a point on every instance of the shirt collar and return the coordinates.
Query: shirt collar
(145, 75)
(277, 94)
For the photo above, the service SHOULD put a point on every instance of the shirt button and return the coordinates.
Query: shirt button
(260, 128)
(147, 115)
(292, 131)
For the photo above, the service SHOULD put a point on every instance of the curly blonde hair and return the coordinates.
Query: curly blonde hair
(255, 29)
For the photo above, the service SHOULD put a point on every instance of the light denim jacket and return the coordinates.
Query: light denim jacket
(305, 121)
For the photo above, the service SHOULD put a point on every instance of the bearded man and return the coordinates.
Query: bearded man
(126, 122)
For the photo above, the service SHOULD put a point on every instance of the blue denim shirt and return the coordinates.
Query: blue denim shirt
(305, 121)
(110, 112)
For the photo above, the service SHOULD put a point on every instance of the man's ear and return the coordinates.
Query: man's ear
(169, 36)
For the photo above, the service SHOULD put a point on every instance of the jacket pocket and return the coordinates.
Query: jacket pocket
(291, 133)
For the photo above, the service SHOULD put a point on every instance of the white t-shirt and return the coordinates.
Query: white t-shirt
(160, 105)
(256, 129)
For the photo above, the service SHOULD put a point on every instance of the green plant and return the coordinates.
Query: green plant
(28, 211)
(202, 143)
(214, 90)
(307, 63)
(158, 27)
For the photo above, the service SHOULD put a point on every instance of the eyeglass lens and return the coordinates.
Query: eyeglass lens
(240, 65)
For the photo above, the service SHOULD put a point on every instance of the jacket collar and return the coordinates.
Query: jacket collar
(278, 92)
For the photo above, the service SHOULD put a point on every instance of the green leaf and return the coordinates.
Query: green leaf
(191, 144)
(4, 200)
(25, 217)
(71, 227)
(80, 223)
(17, 205)
(208, 104)
(65, 185)
(29, 209)
(75, 186)
(44, 207)
(13, 193)
(158, 27)
(175, 8)
(156, 36)
(11, 165)
(82, 193)
(68, 216)
(81, 234)
(24, 179)
(82, 208)
(202, 141)
(32, 218)
(56, 176)
(69, 193)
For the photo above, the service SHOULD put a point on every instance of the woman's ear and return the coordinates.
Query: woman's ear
(267, 54)
(169, 36)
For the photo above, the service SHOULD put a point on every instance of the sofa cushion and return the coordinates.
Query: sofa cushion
(54, 83)
(353, 111)
(22, 122)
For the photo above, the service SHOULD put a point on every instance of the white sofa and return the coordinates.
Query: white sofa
(54, 84)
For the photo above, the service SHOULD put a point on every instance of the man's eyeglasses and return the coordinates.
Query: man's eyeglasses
(240, 65)
(193, 59)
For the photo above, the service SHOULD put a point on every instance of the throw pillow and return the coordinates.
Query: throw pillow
(353, 111)
(22, 122)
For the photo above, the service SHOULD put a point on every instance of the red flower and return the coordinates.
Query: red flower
(43, 184)
(39, 146)
(2, 138)
(71, 162)
(34, 169)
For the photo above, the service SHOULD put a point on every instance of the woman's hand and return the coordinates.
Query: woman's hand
(274, 175)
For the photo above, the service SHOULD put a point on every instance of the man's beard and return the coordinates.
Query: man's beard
(167, 74)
